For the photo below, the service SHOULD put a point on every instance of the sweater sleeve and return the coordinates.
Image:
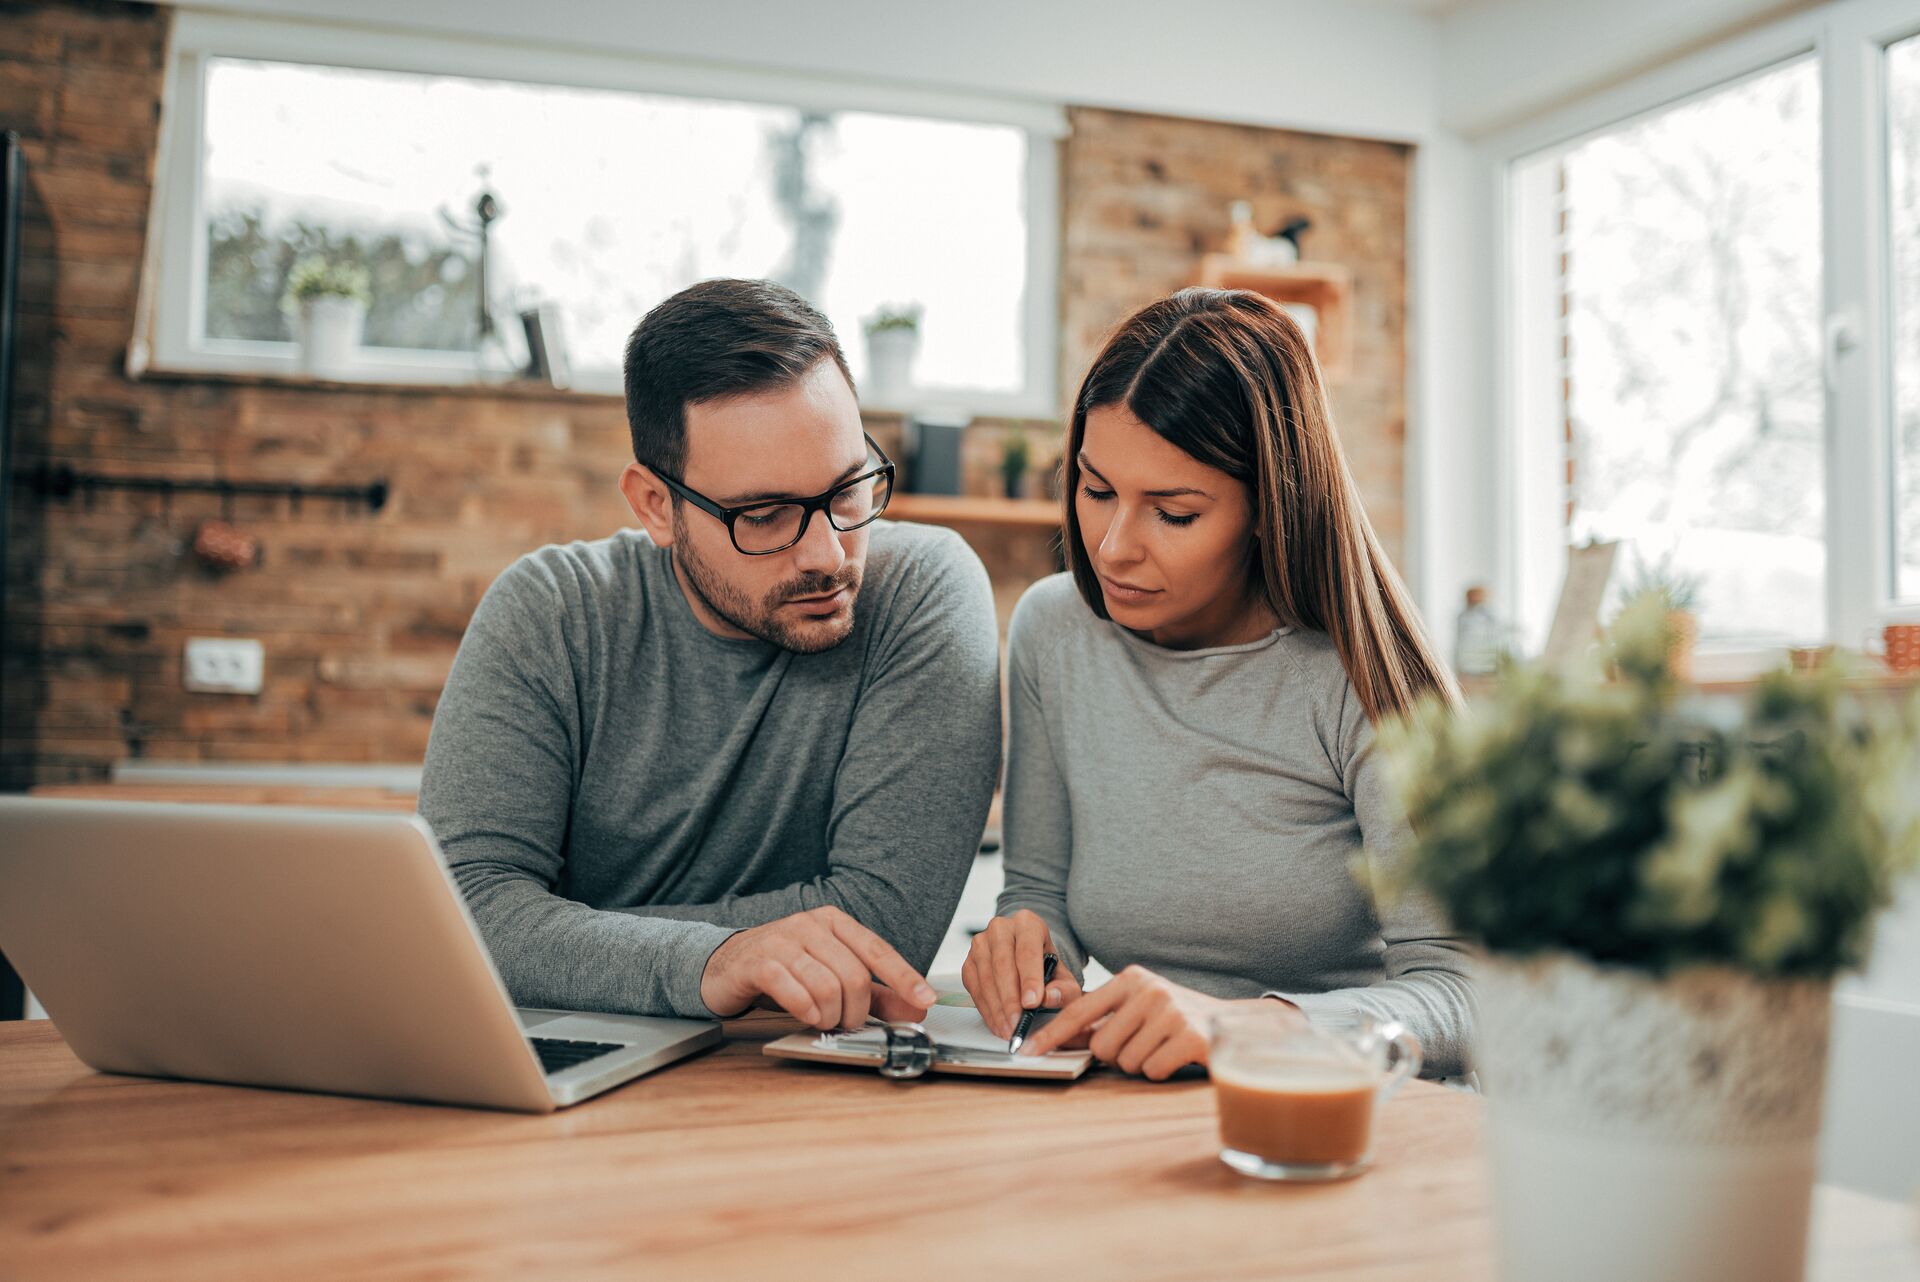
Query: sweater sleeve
(1428, 985)
(498, 791)
(1036, 820)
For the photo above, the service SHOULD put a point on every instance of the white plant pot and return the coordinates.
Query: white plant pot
(890, 356)
(1648, 1129)
(329, 335)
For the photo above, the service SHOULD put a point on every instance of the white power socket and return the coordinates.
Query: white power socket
(222, 665)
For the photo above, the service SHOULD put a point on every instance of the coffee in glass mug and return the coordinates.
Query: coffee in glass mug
(1297, 1098)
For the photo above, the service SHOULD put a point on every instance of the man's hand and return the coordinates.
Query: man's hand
(818, 966)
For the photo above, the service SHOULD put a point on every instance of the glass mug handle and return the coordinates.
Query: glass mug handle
(1403, 1055)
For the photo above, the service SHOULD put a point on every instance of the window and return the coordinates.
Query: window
(1903, 189)
(1712, 333)
(611, 196)
(1692, 407)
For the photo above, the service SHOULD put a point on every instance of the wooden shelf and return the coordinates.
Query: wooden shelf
(967, 509)
(1325, 287)
(1870, 682)
(1863, 683)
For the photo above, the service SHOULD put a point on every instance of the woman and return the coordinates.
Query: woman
(1193, 793)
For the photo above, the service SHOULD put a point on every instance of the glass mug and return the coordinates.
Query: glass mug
(1297, 1098)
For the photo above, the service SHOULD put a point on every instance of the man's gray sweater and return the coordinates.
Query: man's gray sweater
(617, 789)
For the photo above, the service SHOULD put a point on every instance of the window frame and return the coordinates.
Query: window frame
(169, 331)
(1848, 40)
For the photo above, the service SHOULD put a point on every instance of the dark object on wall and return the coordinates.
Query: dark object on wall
(546, 348)
(933, 454)
(12, 992)
(60, 482)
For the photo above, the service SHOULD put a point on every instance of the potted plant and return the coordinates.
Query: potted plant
(1664, 904)
(1015, 457)
(329, 305)
(893, 340)
(1677, 593)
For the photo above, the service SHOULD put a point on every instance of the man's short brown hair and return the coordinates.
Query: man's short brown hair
(713, 340)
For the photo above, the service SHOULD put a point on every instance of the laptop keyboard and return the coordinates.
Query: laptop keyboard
(558, 1055)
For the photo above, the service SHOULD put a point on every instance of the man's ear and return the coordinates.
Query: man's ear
(651, 501)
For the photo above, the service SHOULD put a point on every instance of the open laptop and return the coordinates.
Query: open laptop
(306, 949)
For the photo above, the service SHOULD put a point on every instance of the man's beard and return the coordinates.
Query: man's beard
(763, 619)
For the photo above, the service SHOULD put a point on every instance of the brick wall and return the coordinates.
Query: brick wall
(360, 613)
(1144, 197)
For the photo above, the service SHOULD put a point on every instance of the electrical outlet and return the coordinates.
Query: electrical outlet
(222, 665)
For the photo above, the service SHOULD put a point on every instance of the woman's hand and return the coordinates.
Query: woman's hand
(1139, 1023)
(1004, 968)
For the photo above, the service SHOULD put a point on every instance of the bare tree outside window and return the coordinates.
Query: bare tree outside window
(1692, 277)
(612, 201)
(813, 214)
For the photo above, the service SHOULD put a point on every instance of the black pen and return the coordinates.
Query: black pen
(1026, 1018)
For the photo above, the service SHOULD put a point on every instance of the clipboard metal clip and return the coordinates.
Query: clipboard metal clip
(909, 1053)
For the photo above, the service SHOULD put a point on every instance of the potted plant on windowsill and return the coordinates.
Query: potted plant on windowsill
(1664, 904)
(1677, 593)
(329, 305)
(893, 340)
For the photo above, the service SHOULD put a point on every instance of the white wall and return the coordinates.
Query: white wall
(1359, 69)
(1452, 461)
(1503, 60)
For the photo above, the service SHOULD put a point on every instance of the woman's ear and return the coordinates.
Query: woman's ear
(651, 501)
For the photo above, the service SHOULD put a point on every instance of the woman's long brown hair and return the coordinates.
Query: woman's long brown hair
(1228, 377)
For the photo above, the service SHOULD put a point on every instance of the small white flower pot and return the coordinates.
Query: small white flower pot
(890, 354)
(329, 335)
(1650, 1128)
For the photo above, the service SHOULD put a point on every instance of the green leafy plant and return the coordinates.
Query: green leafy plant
(317, 278)
(1016, 455)
(895, 316)
(1660, 578)
(1604, 819)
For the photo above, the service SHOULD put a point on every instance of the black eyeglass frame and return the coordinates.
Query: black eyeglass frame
(808, 506)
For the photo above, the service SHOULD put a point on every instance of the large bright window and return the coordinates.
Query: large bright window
(1713, 335)
(610, 198)
(1692, 368)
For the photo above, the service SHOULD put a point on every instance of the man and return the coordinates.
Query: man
(746, 755)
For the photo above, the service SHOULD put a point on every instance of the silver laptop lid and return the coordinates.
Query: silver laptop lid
(308, 949)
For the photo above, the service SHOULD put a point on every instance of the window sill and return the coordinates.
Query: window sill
(507, 389)
(512, 389)
(1874, 679)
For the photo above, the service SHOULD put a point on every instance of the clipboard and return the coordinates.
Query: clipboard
(951, 1039)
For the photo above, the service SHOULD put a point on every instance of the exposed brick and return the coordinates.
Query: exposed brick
(1146, 196)
(359, 614)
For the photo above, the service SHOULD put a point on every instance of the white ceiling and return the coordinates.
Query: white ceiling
(1437, 8)
(1404, 70)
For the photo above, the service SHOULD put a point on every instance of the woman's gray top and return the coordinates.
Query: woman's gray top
(1217, 816)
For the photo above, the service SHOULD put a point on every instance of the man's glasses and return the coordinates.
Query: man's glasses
(774, 525)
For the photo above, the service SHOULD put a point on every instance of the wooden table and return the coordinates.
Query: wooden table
(733, 1166)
